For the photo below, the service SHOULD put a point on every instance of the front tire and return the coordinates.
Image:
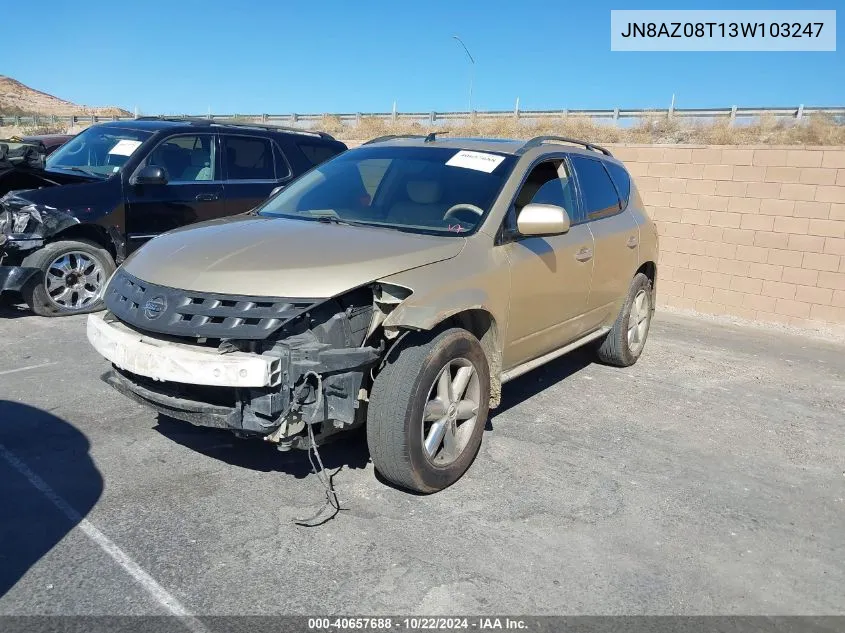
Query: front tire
(624, 344)
(428, 408)
(73, 278)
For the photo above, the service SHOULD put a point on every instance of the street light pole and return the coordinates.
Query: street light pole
(471, 68)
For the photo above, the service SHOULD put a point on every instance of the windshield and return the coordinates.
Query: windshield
(419, 189)
(98, 151)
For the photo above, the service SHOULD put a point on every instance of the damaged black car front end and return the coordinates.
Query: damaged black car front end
(22, 230)
(33, 209)
(20, 164)
(25, 226)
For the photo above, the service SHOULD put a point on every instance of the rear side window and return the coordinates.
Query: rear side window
(622, 180)
(597, 190)
(316, 153)
(248, 158)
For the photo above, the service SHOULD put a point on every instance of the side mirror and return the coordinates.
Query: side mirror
(150, 175)
(276, 190)
(542, 219)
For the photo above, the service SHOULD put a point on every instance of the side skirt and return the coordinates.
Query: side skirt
(527, 366)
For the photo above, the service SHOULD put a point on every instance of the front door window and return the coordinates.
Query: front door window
(188, 158)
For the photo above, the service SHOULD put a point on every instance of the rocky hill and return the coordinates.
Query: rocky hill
(19, 99)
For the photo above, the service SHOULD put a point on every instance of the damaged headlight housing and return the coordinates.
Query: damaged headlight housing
(20, 220)
(16, 215)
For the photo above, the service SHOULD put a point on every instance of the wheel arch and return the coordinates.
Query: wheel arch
(649, 269)
(89, 232)
(481, 323)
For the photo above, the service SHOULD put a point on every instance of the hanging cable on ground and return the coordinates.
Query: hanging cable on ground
(327, 480)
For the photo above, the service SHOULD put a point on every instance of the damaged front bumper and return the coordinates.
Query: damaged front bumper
(14, 278)
(13, 249)
(179, 362)
(272, 394)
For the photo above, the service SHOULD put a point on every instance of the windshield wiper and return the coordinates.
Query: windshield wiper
(330, 219)
(81, 170)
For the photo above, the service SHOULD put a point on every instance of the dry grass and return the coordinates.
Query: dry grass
(814, 130)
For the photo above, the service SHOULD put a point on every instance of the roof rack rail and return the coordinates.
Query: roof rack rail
(539, 140)
(264, 126)
(429, 138)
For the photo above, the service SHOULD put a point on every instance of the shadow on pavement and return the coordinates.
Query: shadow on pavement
(348, 450)
(13, 308)
(55, 452)
(528, 385)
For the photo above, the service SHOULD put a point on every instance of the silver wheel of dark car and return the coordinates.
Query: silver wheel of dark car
(74, 280)
(638, 321)
(451, 412)
(73, 277)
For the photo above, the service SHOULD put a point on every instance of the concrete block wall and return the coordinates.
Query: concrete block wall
(754, 232)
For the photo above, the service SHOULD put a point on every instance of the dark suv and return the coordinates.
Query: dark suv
(116, 185)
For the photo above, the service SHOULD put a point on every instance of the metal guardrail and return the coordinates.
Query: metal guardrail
(614, 116)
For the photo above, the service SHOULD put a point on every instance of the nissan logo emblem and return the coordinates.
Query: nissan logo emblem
(154, 307)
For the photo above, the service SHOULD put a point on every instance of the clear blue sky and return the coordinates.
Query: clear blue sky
(277, 56)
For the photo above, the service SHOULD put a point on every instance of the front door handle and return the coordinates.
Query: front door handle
(207, 196)
(632, 242)
(584, 254)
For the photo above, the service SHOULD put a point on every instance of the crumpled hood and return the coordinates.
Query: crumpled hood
(276, 257)
(40, 186)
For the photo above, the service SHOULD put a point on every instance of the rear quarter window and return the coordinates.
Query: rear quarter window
(317, 153)
(622, 180)
(598, 192)
(248, 158)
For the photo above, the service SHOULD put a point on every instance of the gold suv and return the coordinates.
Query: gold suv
(397, 285)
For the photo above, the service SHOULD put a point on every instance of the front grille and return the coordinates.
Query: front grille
(176, 312)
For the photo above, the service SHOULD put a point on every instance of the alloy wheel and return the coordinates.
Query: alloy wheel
(74, 280)
(451, 412)
(638, 321)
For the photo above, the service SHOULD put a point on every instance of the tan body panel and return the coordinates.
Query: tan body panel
(550, 284)
(276, 257)
(477, 279)
(616, 261)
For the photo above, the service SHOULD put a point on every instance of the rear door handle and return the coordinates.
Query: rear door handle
(207, 196)
(632, 242)
(584, 254)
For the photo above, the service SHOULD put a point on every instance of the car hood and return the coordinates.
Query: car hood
(276, 257)
(43, 186)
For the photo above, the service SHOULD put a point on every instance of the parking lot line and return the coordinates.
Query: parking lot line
(28, 367)
(158, 593)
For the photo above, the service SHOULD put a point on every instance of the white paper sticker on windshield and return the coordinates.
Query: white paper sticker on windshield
(125, 147)
(480, 161)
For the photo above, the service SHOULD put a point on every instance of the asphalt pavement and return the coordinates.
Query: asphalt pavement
(706, 479)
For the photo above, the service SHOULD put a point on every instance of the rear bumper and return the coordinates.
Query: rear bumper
(14, 278)
(179, 362)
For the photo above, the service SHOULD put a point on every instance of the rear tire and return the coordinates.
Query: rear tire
(84, 267)
(625, 342)
(422, 434)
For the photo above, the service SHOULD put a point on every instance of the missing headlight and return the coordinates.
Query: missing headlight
(20, 220)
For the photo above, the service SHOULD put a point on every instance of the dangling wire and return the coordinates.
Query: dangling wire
(326, 480)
